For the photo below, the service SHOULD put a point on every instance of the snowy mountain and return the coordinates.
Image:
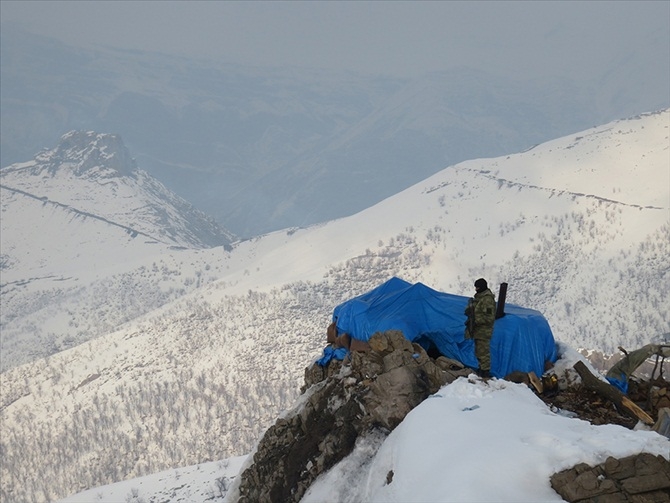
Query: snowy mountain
(577, 226)
(433, 455)
(87, 170)
(73, 217)
(263, 149)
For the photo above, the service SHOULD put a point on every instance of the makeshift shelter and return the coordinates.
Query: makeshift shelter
(522, 340)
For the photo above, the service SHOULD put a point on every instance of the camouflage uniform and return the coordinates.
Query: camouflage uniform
(481, 313)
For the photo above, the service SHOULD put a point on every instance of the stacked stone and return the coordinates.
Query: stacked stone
(642, 478)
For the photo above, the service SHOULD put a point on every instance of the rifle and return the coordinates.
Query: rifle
(470, 313)
(502, 295)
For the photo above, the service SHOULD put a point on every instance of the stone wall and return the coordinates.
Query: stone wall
(643, 478)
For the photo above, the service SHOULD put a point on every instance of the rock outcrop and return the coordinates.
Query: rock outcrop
(640, 478)
(86, 151)
(371, 393)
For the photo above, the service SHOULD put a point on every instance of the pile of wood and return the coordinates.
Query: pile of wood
(596, 401)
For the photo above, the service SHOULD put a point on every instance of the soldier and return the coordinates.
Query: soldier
(481, 313)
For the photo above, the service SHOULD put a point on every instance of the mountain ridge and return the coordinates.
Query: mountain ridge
(256, 148)
(74, 217)
(226, 358)
(45, 200)
(103, 161)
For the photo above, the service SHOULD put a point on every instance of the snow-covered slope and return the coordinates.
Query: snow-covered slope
(93, 175)
(578, 227)
(471, 441)
(74, 218)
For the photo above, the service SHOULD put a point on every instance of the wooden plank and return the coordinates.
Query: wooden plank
(612, 394)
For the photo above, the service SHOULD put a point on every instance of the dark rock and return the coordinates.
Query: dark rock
(646, 483)
(639, 478)
(584, 485)
(619, 469)
(370, 392)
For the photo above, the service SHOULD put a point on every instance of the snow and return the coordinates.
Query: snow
(473, 441)
(191, 483)
(548, 242)
(483, 441)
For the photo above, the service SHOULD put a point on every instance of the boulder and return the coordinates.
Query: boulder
(642, 477)
(371, 392)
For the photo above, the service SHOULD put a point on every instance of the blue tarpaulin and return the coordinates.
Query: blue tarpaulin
(522, 339)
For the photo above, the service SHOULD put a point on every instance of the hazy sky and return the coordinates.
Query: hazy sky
(397, 38)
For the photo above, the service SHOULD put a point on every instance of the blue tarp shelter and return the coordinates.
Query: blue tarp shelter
(522, 339)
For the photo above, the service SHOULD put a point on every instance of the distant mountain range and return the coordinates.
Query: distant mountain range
(265, 149)
(191, 352)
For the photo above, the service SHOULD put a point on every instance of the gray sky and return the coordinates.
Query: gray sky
(397, 38)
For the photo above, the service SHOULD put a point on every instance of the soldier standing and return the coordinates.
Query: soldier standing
(481, 313)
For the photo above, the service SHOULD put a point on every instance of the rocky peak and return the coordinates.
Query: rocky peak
(88, 152)
(93, 175)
